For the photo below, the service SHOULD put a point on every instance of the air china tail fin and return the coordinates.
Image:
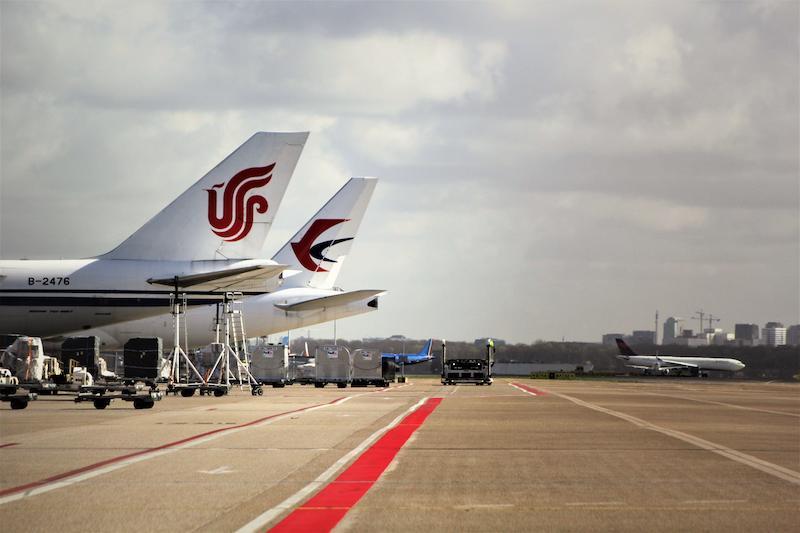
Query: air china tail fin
(228, 212)
(317, 251)
(624, 349)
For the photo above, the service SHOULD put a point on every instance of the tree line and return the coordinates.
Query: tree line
(762, 362)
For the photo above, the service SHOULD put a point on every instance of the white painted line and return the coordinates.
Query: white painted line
(66, 482)
(271, 514)
(484, 506)
(756, 409)
(578, 504)
(711, 502)
(221, 470)
(754, 462)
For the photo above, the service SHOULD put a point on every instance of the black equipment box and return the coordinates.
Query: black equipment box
(7, 340)
(388, 369)
(85, 351)
(142, 357)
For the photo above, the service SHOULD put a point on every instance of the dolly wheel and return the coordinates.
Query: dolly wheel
(187, 393)
(101, 403)
(143, 403)
(18, 403)
(219, 392)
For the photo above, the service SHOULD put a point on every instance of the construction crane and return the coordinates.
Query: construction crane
(711, 319)
(701, 316)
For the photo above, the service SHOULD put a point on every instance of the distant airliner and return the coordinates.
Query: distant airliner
(664, 364)
(412, 358)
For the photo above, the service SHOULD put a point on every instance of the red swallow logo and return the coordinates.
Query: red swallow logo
(306, 251)
(237, 216)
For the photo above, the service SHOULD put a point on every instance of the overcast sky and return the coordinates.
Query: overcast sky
(548, 169)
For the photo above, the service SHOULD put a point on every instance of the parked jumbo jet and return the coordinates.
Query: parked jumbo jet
(664, 364)
(205, 243)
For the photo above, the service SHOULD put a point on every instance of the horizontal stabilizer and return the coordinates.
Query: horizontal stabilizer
(239, 278)
(331, 301)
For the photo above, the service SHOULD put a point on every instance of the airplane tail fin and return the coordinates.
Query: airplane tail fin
(228, 212)
(426, 350)
(317, 251)
(624, 349)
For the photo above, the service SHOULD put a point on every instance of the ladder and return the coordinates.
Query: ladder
(234, 325)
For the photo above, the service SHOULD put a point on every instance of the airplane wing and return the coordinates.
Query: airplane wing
(240, 278)
(677, 364)
(330, 301)
(669, 364)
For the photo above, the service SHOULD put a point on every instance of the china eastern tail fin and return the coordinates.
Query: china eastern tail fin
(316, 253)
(228, 212)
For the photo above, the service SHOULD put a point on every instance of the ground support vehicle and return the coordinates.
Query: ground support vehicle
(468, 370)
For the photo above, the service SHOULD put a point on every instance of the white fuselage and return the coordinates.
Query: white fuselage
(261, 318)
(111, 298)
(701, 363)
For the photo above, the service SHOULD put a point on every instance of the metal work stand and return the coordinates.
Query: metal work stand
(231, 357)
(186, 385)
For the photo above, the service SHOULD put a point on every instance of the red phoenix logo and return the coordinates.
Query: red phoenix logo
(236, 220)
(306, 251)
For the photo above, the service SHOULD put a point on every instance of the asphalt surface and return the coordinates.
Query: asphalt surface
(654, 455)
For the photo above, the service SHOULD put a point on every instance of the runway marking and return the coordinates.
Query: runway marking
(217, 471)
(335, 500)
(529, 390)
(71, 477)
(772, 469)
(8, 445)
(712, 502)
(483, 506)
(592, 504)
(784, 413)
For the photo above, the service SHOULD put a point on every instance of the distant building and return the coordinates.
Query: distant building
(793, 335)
(610, 339)
(672, 330)
(643, 336)
(774, 334)
(718, 337)
(692, 341)
(746, 332)
(484, 340)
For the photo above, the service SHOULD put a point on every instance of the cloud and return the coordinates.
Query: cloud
(545, 157)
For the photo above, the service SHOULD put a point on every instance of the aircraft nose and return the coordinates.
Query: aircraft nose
(739, 366)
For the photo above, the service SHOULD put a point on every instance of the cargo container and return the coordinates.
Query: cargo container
(81, 351)
(143, 358)
(332, 366)
(367, 369)
(269, 364)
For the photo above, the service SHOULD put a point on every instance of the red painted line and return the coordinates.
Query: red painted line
(331, 504)
(9, 444)
(58, 477)
(532, 390)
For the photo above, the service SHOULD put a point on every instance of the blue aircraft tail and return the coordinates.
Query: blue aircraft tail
(426, 350)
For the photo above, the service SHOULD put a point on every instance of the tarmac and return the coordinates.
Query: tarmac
(579, 455)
